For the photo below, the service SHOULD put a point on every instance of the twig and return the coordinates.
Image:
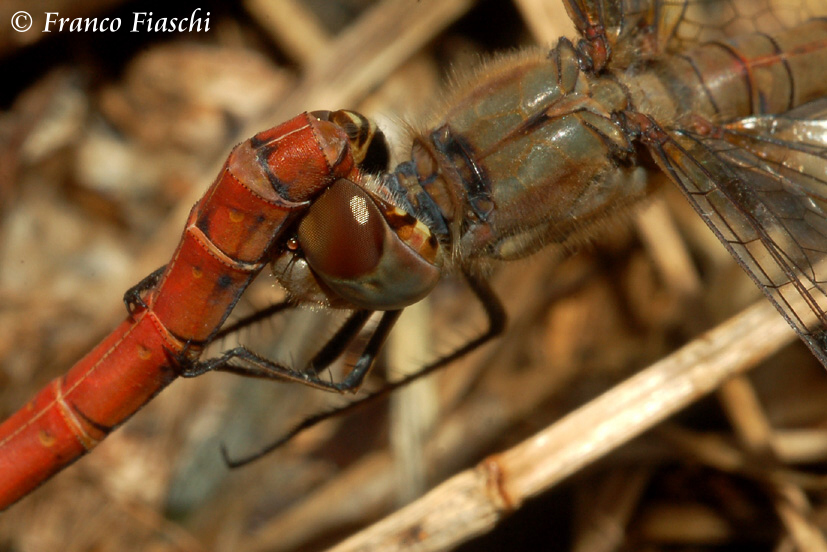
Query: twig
(472, 502)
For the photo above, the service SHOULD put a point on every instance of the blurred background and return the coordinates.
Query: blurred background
(108, 139)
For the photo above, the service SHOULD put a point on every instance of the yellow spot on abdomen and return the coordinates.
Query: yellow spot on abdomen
(144, 353)
(236, 216)
(197, 272)
(46, 439)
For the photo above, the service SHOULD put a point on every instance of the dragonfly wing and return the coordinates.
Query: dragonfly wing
(636, 30)
(760, 183)
(711, 20)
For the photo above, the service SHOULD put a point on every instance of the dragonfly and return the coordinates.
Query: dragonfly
(536, 149)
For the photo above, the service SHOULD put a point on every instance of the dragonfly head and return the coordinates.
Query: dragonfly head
(353, 249)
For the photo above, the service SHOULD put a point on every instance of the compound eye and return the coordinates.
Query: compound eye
(343, 233)
(354, 252)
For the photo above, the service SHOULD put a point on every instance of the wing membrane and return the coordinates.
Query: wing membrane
(760, 183)
(645, 29)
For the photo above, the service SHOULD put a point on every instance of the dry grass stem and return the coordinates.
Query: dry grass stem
(473, 501)
(293, 26)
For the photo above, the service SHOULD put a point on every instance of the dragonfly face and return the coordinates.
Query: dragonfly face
(370, 253)
(354, 248)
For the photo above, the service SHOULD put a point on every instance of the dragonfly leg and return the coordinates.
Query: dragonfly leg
(353, 381)
(494, 312)
(496, 316)
(336, 345)
(260, 367)
(132, 298)
(332, 349)
(251, 319)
